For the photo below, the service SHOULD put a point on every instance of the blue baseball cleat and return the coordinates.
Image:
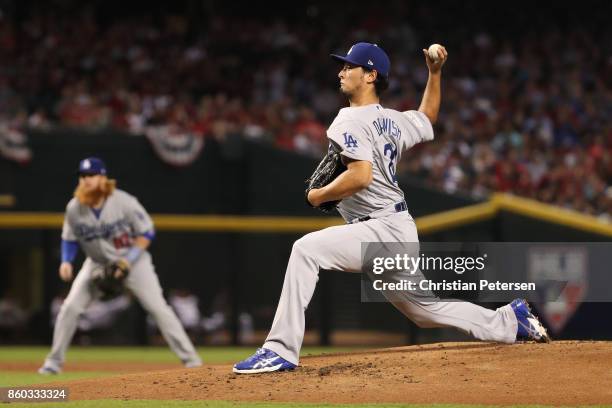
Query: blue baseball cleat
(263, 361)
(529, 327)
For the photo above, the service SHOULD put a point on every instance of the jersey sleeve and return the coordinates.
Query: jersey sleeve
(67, 230)
(353, 138)
(139, 218)
(418, 128)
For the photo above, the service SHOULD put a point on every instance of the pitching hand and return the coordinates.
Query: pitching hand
(436, 65)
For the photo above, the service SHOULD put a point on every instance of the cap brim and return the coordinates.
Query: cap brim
(340, 58)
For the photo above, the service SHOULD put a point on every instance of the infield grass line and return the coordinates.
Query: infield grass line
(19, 378)
(153, 354)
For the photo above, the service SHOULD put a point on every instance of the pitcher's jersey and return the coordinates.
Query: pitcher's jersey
(379, 136)
(108, 236)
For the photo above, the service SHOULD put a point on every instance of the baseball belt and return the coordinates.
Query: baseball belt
(394, 208)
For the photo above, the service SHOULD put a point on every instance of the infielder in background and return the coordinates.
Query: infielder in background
(370, 140)
(113, 229)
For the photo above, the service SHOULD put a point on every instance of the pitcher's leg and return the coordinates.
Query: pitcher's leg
(287, 332)
(426, 310)
(144, 283)
(481, 323)
(74, 305)
(337, 248)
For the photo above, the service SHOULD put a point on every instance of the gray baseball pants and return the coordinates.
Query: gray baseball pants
(142, 281)
(339, 248)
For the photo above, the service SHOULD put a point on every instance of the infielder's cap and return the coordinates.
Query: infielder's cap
(92, 165)
(367, 55)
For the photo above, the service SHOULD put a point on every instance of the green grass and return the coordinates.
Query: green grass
(17, 378)
(142, 354)
(36, 355)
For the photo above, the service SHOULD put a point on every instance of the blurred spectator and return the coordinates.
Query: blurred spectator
(13, 318)
(99, 315)
(186, 307)
(526, 109)
(218, 321)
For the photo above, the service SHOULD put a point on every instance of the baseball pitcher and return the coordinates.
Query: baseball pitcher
(114, 231)
(369, 140)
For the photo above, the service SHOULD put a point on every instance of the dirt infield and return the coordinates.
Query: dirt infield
(561, 373)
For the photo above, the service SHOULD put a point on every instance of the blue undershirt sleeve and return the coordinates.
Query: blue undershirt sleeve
(69, 250)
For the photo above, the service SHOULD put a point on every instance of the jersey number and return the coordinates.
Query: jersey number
(122, 241)
(392, 150)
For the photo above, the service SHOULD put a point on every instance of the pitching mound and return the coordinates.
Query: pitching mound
(561, 373)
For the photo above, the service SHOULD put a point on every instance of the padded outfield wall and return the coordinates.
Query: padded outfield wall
(215, 256)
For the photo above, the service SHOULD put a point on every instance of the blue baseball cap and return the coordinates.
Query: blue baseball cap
(367, 55)
(92, 165)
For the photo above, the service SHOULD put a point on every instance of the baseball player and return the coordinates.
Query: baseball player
(112, 228)
(371, 140)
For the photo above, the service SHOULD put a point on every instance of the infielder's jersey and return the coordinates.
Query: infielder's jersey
(379, 136)
(108, 236)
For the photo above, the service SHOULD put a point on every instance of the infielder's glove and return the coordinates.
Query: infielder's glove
(330, 167)
(109, 279)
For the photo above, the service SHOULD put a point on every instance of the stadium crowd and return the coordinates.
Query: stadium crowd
(527, 111)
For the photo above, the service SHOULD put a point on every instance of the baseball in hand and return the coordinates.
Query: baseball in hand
(433, 52)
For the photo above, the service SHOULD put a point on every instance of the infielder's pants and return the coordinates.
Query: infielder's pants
(142, 281)
(339, 248)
